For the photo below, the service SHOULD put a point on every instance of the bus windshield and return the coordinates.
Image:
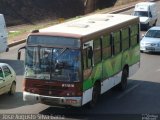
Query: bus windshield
(56, 64)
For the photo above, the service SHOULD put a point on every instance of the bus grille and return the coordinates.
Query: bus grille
(49, 90)
(50, 100)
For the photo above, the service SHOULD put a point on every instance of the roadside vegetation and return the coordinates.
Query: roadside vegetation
(17, 33)
(20, 32)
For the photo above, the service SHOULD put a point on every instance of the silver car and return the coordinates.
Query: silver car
(151, 40)
(7, 79)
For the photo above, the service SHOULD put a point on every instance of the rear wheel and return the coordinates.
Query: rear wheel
(12, 89)
(95, 95)
(123, 84)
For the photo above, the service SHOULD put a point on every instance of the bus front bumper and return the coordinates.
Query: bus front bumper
(51, 100)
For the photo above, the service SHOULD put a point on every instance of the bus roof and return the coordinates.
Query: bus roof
(87, 25)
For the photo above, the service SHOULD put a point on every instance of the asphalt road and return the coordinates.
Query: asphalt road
(141, 97)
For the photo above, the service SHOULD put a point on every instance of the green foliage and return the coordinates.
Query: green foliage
(14, 33)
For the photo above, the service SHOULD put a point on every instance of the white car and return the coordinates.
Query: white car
(151, 40)
(147, 12)
(7, 79)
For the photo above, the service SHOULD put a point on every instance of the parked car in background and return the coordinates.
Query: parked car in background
(7, 79)
(147, 12)
(151, 40)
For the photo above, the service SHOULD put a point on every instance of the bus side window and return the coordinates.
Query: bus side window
(117, 42)
(106, 46)
(134, 34)
(87, 61)
(125, 38)
(97, 51)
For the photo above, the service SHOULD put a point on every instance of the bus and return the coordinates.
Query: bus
(73, 63)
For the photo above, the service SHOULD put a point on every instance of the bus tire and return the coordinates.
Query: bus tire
(12, 89)
(95, 95)
(123, 84)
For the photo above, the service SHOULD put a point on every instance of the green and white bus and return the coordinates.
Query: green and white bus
(74, 62)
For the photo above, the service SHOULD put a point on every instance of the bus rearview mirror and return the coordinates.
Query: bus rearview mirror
(19, 55)
(19, 52)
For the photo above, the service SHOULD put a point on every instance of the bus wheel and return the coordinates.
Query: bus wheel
(95, 95)
(12, 89)
(123, 84)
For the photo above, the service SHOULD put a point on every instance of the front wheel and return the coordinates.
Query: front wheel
(95, 95)
(12, 89)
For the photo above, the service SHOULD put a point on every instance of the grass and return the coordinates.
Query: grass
(22, 31)
(12, 34)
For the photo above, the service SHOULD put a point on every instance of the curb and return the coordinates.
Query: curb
(118, 10)
(122, 10)
(16, 43)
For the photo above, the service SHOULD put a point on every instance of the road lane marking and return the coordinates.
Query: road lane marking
(128, 90)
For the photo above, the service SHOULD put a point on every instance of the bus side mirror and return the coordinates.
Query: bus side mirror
(90, 52)
(19, 52)
(19, 55)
